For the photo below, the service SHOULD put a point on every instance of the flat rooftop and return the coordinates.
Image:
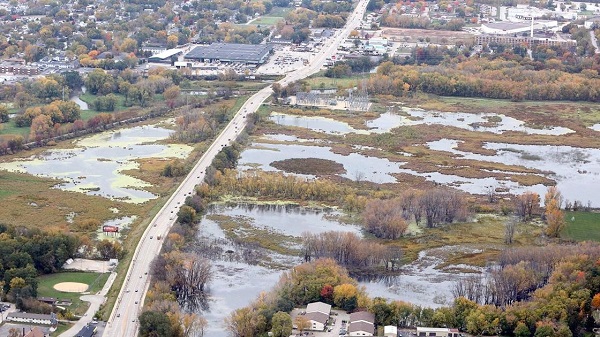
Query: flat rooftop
(232, 52)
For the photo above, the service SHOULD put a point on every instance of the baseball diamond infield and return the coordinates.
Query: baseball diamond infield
(71, 287)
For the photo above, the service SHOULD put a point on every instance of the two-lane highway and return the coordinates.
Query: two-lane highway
(123, 319)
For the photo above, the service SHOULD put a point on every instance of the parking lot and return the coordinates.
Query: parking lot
(284, 60)
(333, 328)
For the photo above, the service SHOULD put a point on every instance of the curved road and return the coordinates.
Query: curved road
(123, 319)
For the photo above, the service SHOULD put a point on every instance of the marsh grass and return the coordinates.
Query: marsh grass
(240, 229)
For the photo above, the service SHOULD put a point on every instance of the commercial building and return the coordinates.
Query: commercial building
(512, 28)
(528, 41)
(17, 67)
(231, 52)
(437, 332)
(165, 56)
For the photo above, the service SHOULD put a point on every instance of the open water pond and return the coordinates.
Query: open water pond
(420, 282)
(574, 169)
(377, 170)
(236, 282)
(483, 122)
(94, 166)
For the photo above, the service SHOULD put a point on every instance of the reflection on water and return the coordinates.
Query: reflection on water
(96, 163)
(286, 219)
(237, 279)
(483, 122)
(420, 282)
(372, 169)
(574, 169)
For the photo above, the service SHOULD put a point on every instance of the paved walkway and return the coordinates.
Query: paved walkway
(95, 302)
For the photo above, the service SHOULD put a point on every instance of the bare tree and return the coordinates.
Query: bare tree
(383, 218)
(526, 203)
(509, 230)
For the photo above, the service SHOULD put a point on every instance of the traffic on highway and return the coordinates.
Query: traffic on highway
(123, 318)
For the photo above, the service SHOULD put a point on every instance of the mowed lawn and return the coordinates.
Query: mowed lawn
(582, 226)
(95, 281)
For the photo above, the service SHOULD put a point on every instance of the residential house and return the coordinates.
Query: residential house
(48, 300)
(317, 314)
(362, 323)
(23, 317)
(35, 332)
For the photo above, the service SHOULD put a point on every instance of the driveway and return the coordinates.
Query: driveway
(95, 302)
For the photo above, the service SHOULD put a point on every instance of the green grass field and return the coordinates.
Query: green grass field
(582, 226)
(90, 99)
(62, 327)
(266, 20)
(11, 128)
(95, 281)
(327, 82)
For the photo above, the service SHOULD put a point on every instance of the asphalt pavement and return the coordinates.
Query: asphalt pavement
(123, 319)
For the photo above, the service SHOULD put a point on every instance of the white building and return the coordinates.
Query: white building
(390, 331)
(317, 314)
(362, 323)
(23, 317)
(437, 332)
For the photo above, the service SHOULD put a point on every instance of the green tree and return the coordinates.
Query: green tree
(282, 324)
(544, 330)
(522, 330)
(186, 215)
(155, 324)
(4, 118)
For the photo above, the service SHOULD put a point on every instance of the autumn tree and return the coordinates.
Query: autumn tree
(526, 204)
(327, 294)
(193, 325)
(171, 94)
(302, 323)
(596, 302)
(345, 296)
(555, 217)
(383, 218)
(244, 322)
(281, 324)
(41, 128)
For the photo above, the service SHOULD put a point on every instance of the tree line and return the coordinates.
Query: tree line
(560, 306)
(485, 78)
(349, 250)
(26, 253)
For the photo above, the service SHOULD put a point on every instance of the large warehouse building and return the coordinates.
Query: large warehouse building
(231, 52)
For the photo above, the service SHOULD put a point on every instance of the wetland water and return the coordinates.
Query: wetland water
(236, 282)
(572, 168)
(95, 164)
(482, 122)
